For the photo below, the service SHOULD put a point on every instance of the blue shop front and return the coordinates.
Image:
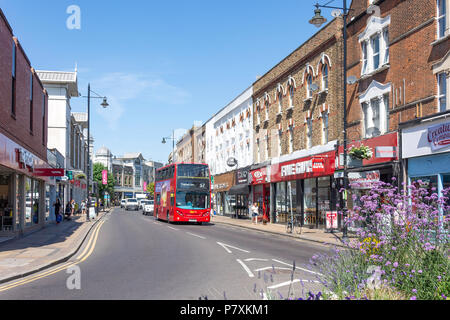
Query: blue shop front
(426, 151)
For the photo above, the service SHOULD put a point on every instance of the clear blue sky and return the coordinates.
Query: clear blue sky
(162, 64)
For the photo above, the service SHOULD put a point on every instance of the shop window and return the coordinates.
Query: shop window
(446, 185)
(6, 205)
(310, 196)
(19, 208)
(47, 202)
(280, 202)
(324, 198)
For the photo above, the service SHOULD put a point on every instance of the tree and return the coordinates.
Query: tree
(151, 189)
(97, 175)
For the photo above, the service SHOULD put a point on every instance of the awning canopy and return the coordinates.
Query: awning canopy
(239, 189)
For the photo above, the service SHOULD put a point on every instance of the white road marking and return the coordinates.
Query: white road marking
(256, 259)
(290, 282)
(195, 235)
(228, 250)
(297, 267)
(267, 268)
(249, 272)
(172, 228)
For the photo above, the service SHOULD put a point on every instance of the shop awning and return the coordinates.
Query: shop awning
(239, 189)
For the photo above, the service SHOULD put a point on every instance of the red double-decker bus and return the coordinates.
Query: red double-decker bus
(183, 193)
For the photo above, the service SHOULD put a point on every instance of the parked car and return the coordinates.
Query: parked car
(122, 203)
(147, 207)
(131, 204)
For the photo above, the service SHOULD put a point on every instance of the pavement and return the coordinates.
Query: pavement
(54, 244)
(314, 235)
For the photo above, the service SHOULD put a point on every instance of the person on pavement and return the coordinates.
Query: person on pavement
(255, 212)
(57, 206)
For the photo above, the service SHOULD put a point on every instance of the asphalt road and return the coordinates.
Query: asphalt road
(132, 256)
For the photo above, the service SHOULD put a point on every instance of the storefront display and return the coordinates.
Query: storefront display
(6, 205)
(308, 183)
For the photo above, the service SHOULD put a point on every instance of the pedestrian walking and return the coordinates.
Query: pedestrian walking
(72, 204)
(68, 211)
(83, 207)
(57, 206)
(255, 212)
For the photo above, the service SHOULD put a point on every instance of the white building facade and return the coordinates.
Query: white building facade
(229, 134)
(67, 131)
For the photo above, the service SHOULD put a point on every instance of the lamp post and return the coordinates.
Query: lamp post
(173, 143)
(104, 104)
(318, 20)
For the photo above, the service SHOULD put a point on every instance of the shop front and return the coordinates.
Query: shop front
(223, 203)
(241, 192)
(260, 183)
(303, 189)
(426, 153)
(22, 194)
(382, 165)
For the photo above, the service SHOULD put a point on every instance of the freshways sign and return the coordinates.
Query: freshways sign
(439, 136)
(309, 167)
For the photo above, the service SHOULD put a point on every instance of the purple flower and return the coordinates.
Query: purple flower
(414, 290)
(394, 248)
(413, 298)
(395, 264)
(420, 271)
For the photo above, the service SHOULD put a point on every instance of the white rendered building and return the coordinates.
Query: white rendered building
(229, 133)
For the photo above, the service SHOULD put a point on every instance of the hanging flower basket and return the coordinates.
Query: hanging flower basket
(360, 153)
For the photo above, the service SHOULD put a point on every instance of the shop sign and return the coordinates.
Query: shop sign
(24, 158)
(439, 136)
(220, 186)
(48, 172)
(385, 152)
(363, 180)
(242, 176)
(331, 220)
(259, 176)
(231, 162)
(318, 165)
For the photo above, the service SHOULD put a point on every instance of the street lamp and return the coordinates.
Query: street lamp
(318, 20)
(173, 143)
(104, 104)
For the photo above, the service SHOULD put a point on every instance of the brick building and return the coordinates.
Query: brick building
(396, 51)
(297, 116)
(23, 138)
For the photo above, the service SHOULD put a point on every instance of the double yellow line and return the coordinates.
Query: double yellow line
(82, 257)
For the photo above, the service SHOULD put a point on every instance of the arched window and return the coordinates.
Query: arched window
(309, 91)
(280, 102)
(325, 77)
(291, 96)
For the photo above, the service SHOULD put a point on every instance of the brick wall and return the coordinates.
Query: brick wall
(324, 46)
(17, 127)
(412, 31)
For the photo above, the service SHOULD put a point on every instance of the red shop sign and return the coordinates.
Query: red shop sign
(48, 172)
(309, 167)
(259, 176)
